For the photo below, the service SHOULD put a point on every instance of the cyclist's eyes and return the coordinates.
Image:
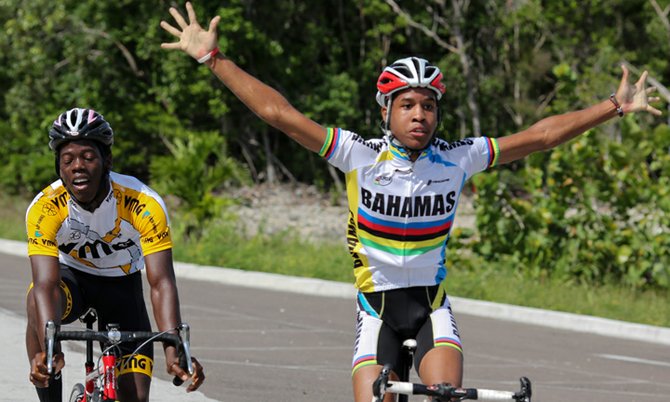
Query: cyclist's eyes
(90, 156)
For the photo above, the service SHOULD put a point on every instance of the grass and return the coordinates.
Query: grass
(221, 244)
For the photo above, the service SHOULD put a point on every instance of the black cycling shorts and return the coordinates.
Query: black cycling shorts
(386, 319)
(117, 300)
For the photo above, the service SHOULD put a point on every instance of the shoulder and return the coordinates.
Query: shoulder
(135, 196)
(132, 186)
(54, 195)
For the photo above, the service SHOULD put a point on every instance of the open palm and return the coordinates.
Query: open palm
(193, 39)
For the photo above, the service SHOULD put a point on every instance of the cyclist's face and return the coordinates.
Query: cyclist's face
(82, 168)
(413, 117)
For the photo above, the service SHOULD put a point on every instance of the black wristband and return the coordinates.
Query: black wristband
(619, 109)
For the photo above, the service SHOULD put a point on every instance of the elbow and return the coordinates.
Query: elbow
(276, 113)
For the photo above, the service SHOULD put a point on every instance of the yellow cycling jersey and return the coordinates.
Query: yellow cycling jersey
(130, 223)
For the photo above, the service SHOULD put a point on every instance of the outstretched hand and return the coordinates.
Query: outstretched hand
(193, 39)
(635, 98)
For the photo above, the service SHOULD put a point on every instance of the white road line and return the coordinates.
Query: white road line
(634, 360)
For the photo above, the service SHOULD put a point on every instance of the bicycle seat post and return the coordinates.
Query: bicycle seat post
(406, 359)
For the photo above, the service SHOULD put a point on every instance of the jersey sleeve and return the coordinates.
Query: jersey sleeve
(346, 149)
(482, 154)
(153, 223)
(43, 220)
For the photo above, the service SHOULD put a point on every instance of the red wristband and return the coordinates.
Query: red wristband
(209, 55)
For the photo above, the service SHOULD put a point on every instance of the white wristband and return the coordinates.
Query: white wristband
(209, 55)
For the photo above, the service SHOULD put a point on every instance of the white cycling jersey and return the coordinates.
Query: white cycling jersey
(401, 211)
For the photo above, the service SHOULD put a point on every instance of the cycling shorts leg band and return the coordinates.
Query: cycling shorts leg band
(137, 363)
(440, 330)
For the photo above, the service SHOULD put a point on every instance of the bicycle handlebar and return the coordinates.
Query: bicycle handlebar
(114, 337)
(445, 391)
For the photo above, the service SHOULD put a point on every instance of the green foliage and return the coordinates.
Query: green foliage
(589, 211)
(593, 210)
(198, 166)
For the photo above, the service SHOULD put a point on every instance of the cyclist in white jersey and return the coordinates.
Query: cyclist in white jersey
(90, 233)
(403, 190)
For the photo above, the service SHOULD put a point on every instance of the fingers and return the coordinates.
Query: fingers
(653, 110)
(639, 85)
(198, 376)
(213, 24)
(624, 76)
(178, 18)
(624, 79)
(39, 375)
(169, 46)
(58, 362)
(190, 12)
(39, 379)
(170, 29)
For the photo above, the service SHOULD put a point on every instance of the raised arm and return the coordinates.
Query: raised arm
(263, 100)
(555, 130)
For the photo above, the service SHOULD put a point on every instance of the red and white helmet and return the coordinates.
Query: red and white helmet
(410, 72)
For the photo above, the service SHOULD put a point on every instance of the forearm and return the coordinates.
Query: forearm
(562, 128)
(165, 303)
(553, 131)
(266, 102)
(46, 307)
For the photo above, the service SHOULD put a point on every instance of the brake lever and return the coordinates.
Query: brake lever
(50, 340)
(185, 334)
(380, 384)
(185, 357)
(526, 391)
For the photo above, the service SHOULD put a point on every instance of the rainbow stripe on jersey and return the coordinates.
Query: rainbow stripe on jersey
(401, 211)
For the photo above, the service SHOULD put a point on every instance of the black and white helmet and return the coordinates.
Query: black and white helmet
(80, 124)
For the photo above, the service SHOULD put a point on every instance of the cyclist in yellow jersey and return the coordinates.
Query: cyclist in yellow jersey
(403, 191)
(89, 235)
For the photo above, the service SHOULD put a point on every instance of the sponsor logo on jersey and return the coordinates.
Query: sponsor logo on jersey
(133, 205)
(376, 146)
(49, 209)
(447, 146)
(383, 180)
(352, 241)
(95, 248)
(58, 202)
(437, 181)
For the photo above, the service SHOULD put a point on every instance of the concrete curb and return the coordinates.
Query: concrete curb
(318, 287)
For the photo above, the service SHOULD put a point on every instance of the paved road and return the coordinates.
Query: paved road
(261, 345)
